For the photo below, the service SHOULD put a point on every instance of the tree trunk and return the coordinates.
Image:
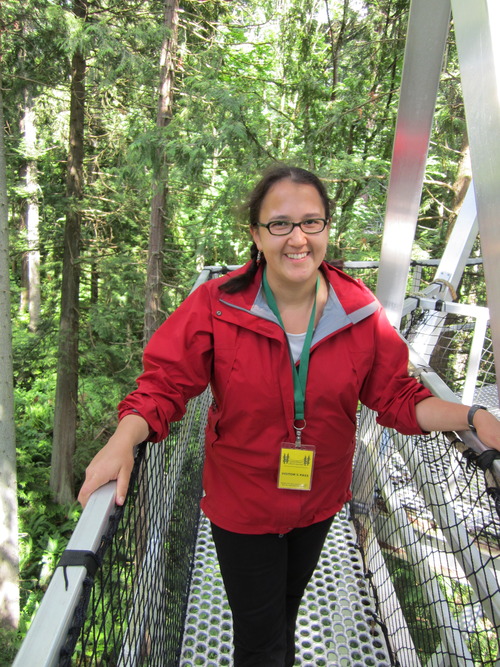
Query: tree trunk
(461, 184)
(31, 214)
(65, 413)
(9, 561)
(154, 281)
(336, 45)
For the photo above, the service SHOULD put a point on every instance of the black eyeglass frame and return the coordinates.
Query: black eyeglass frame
(267, 225)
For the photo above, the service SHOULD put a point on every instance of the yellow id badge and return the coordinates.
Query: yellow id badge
(296, 467)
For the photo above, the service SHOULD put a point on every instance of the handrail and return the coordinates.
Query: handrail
(434, 383)
(51, 624)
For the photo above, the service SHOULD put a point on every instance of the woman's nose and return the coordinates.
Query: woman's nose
(297, 236)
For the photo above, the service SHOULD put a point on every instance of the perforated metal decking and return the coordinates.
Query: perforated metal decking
(335, 626)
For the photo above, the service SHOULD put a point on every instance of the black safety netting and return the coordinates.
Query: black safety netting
(421, 276)
(132, 613)
(448, 341)
(430, 506)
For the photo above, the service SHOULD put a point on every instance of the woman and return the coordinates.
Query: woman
(289, 345)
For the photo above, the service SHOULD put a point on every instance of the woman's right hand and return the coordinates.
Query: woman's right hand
(115, 460)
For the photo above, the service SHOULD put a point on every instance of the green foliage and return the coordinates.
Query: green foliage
(10, 641)
(414, 605)
(45, 527)
(483, 641)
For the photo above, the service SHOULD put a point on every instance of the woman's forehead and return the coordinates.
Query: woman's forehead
(287, 199)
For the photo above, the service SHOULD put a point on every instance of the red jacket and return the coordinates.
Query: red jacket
(234, 343)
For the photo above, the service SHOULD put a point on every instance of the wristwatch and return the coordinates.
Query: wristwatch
(471, 413)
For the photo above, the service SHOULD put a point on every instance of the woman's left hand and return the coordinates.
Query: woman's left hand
(487, 428)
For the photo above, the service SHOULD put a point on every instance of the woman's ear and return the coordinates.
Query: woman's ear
(255, 232)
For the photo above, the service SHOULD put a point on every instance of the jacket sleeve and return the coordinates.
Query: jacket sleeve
(388, 389)
(177, 365)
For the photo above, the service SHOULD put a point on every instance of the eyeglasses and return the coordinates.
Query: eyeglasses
(285, 227)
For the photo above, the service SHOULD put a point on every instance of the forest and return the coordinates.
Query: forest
(132, 132)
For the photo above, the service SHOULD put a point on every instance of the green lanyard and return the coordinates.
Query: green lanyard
(300, 374)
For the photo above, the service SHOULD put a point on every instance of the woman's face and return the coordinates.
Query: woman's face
(294, 258)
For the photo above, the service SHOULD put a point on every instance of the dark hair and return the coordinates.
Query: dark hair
(274, 174)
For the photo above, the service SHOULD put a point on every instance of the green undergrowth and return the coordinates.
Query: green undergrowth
(481, 642)
(45, 526)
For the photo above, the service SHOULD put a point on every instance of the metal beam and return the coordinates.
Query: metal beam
(459, 246)
(477, 30)
(447, 278)
(427, 33)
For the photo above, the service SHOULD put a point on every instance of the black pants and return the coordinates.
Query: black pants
(265, 577)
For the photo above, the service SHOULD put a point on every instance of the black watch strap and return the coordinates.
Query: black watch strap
(471, 413)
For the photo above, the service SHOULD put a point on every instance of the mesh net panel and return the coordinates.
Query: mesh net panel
(430, 507)
(450, 344)
(422, 274)
(133, 614)
(432, 512)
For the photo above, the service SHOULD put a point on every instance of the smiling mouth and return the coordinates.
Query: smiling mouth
(296, 255)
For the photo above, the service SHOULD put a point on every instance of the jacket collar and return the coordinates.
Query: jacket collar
(349, 301)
